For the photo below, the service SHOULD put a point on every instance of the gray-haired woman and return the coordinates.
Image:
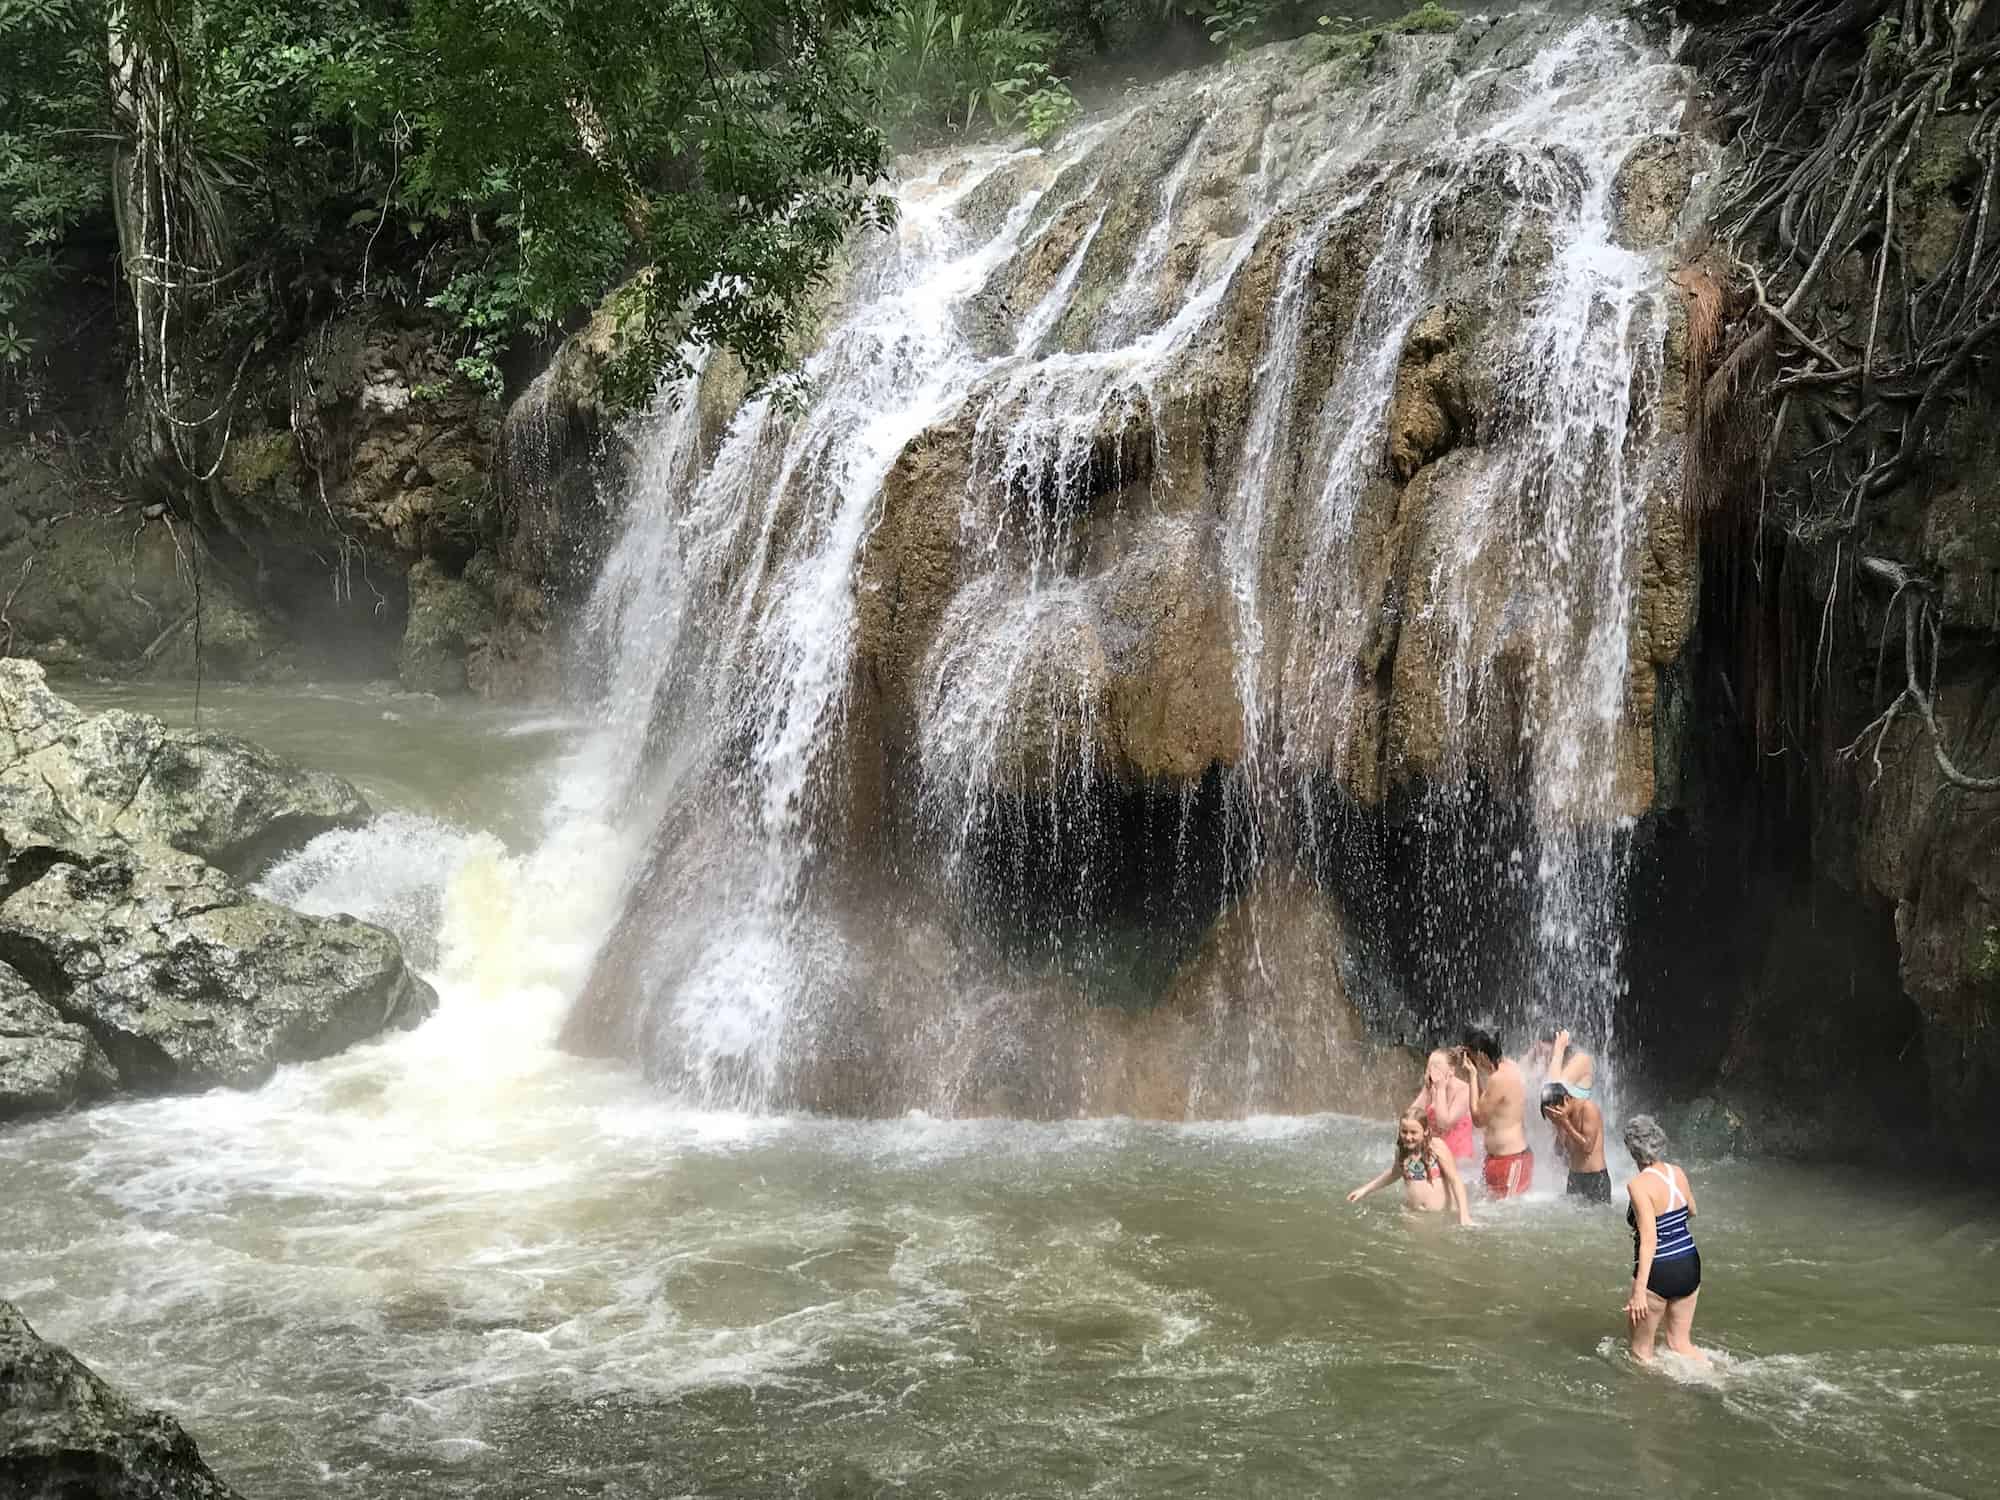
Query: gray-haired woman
(1666, 1267)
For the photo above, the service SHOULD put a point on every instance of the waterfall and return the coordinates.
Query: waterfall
(1285, 443)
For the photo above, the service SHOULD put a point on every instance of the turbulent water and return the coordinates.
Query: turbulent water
(465, 1263)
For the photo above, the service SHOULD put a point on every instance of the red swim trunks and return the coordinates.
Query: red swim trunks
(1510, 1176)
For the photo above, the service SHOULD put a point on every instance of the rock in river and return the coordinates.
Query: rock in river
(67, 1435)
(125, 774)
(133, 963)
(46, 1063)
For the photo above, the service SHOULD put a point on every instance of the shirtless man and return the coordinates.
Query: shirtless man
(1579, 1126)
(1499, 1103)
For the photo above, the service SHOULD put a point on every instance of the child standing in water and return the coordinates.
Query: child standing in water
(1579, 1127)
(1430, 1176)
(1445, 1104)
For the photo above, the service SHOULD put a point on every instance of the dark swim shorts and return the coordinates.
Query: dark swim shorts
(1594, 1187)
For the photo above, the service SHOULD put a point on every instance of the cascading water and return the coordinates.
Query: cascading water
(1296, 427)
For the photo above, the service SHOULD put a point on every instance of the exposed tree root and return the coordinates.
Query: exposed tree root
(1829, 102)
(1853, 294)
(1919, 620)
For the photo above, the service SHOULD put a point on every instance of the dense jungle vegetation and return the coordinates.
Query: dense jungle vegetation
(210, 177)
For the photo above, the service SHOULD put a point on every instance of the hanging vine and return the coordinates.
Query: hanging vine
(1831, 329)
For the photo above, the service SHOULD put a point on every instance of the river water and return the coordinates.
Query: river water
(461, 1263)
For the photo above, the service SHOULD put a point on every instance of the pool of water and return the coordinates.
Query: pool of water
(461, 1263)
(457, 759)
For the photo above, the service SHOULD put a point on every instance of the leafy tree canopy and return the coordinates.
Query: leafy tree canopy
(506, 161)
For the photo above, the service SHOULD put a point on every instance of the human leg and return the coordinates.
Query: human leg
(1679, 1325)
(1647, 1329)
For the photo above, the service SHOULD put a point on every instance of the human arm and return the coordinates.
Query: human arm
(1568, 1121)
(1558, 1049)
(1454, 1185)
(1568, 1138)
(1387, 1176)
(1636, 1306)
(1455, 1106)
(1474, 1104)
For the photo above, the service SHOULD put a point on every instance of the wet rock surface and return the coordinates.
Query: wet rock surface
(126, 776)
(66, 1434)
(187, 982)
(137, 965)
(450, 620)
(354, 453)
(46, 1063)
(1396, 644)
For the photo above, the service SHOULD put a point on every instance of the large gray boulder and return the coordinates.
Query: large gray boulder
(67, 1435)
(220, 798)
(46, 1063)
(130, 958)
(187, 981)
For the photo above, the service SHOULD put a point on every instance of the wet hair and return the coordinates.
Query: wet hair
(1645, 1140)
(1483, 1039)
(1411, 1117)
(1553, 1094)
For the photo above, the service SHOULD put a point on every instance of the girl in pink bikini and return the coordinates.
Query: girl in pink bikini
(1445, 1104)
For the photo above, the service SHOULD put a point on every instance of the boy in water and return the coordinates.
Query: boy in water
(1579, 1126)
(1499, 1105)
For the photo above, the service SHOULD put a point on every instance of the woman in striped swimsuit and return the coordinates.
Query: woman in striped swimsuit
(1666, 1267)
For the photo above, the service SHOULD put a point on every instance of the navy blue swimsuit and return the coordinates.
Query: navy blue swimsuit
(1676, 1269)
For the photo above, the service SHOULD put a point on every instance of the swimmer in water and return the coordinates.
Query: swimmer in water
(1579, 1127)
(1666, 1267)
(1499, 1105)
(1555, 1058)
(1429, 1175)
(1445, 1104)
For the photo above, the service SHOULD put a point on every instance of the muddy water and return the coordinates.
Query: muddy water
(462, 1264)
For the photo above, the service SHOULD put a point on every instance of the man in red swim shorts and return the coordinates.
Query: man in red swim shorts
(1499, 1107)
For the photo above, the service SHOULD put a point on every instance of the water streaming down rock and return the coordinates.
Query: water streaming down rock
(1286, 454)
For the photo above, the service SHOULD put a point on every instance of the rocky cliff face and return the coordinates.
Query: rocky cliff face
(1859, 1017)
(352, 458)
(130, 958)
(1299, 444)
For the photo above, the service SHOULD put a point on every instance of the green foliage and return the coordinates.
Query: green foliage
(51, 146)
(1350, 36)
(1047, 107)
(938, 65)
(511, 159)
(722, 144)
(1234, 23)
